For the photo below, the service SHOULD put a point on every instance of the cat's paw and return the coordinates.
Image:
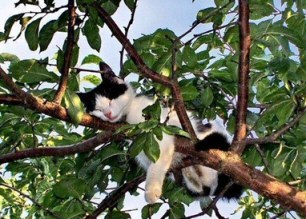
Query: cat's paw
(153, 194)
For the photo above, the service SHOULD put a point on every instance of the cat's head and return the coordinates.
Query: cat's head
(111, 99)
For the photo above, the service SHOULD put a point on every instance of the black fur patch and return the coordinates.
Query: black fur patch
(234, 191)
(213, 141)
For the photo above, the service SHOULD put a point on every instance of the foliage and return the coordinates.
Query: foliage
(206, 65)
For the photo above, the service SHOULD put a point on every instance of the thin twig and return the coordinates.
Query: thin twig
(196, 23)
(126, 35)
(209, 31)
(80, 69)
(67, 55)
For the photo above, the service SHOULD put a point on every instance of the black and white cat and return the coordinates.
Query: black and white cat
(114, 100)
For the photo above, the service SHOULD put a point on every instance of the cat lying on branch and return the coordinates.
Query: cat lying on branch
(114, 100)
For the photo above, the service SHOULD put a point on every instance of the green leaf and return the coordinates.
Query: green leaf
(148, 125)
(74, 106)
(148, 210)
(177, 210)
(206, 15)
(31, 34)
(260, 9)
(174, 130)
(158, 132)
(9, 57)
(189, 56)
(138, 144)
(70, 209)
(284, 110)
(279, 166)
(130, 4)
(207, 96)
(91, 59)
(291, 35)
(252, 157)
(91, 31)
(92, 79)
(279, 64)
(9, 24)
(111, 6)
(70, 186)
(46, 34)
(189, 92)
(151, 147)
(153, 111)
(30, 71)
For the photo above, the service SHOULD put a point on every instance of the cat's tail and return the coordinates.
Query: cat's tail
(217, 138)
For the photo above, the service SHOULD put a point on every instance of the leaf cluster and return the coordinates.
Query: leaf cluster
(205, 65)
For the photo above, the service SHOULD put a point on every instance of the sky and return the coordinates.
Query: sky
(177, 15)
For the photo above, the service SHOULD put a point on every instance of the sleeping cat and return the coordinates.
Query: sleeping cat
(114, 100)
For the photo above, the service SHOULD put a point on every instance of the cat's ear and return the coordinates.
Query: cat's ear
(106, 71)
(108, 75)
(104, 68)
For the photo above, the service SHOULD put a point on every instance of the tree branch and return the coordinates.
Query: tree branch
(82, 147)
(10, 99)
(68, 54)
(244, 69)
(127, 32)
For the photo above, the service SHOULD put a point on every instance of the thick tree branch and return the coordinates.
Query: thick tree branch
(244, 69)
(10, 99)
(112, 199)
(68, 54)
(52, 109)
(82, 147)
(231, 164)
(147, 72)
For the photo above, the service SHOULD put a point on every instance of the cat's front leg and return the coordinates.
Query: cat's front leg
(157, 171)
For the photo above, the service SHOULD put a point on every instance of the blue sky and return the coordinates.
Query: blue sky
(176, 15)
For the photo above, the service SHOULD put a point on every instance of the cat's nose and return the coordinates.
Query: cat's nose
(108, 115)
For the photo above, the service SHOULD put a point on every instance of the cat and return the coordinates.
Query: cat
(114, 100)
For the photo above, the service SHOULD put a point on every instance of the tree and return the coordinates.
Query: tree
(248, 68)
